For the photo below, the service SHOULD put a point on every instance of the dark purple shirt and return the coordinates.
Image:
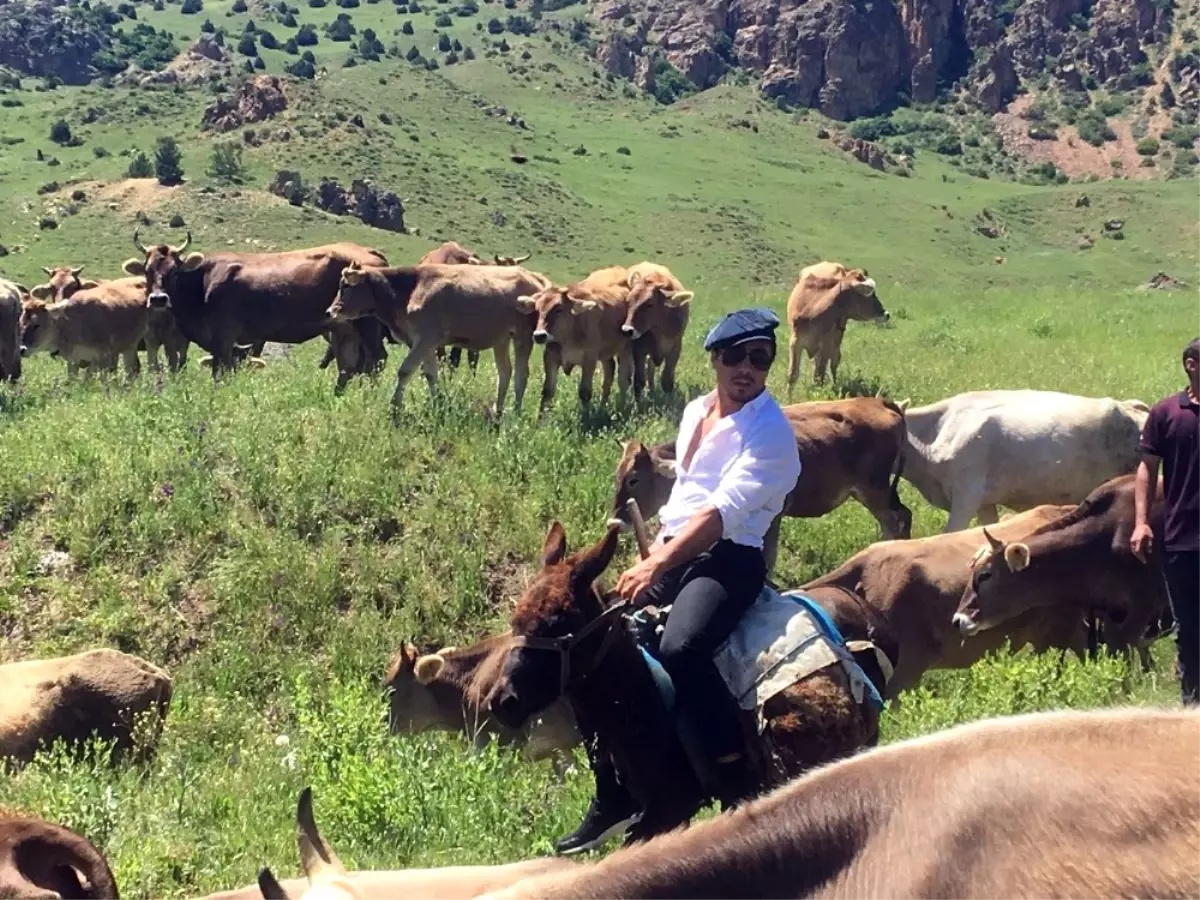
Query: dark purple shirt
(1172, 433)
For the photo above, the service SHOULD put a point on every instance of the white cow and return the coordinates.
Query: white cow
(974, 451)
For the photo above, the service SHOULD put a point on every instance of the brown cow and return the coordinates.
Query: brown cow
(915, 586)
(430, 306)
(827, 296)
(72, 698)
(1103, 803)
(41, 860)
(581, 325)
(452, 253)
(225, 299)
(93, 328)
(449, 690)
(1076, 563)
(11, 296)
(848, 448)
(656, 321)
(161, 329)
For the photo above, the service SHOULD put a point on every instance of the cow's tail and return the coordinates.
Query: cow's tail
(901, 449)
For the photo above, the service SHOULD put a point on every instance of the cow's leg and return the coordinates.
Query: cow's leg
(415, 357)
(503, 375)
(795, 352)
(133, 365)
(608, 368)
(834, 355)
(988, 514)
(640, 359)
(524, 348)
(587, 372)
(884, 505)
(964, 504)
(624, 371)
(551, 363)
(152, 346)
(330, 353)
(472, 360)
(670, 361)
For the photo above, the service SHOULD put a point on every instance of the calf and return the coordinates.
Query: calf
(826, 297)
(656, 321)
(428, 307)
(93, 328)
(10, 330)
(161, 328)
(848, 448)
(974, 451)
(449, 691)
(581, 325)
(72, 698)
(39, 859)
(915, 585)
(1076, 563)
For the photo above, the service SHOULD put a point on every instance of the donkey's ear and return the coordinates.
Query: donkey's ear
(554, 548)
(590, 564)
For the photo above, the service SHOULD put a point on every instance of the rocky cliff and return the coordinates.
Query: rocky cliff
(850, 58)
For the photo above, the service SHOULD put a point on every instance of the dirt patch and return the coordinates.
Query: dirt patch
(1070, 153)
(505, 580)
(129, 195)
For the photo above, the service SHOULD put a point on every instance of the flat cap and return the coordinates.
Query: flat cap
(742, 325)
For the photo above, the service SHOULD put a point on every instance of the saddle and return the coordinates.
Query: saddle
(780, 640)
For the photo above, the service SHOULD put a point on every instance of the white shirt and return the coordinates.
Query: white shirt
(745, 466)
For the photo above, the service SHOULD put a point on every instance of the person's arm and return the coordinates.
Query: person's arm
(702, 530)
(1145, 486)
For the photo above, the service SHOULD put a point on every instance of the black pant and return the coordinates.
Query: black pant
(708, 594)
(1182, 571)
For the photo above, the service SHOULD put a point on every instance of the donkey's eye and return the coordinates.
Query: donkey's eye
(631, 481)
(983, 576)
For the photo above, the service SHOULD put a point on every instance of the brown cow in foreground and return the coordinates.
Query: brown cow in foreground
(848, 448)
(222, 300)
(161, 330)
(1058, 804)
(11, 296)
(430, 306)
(581, 325)
(449, 690)
(1077, 563)
(95, 327)
(326, 878)
(656, 321)
(915, 586)
(40, 860)
(73, 698)
(827, 296)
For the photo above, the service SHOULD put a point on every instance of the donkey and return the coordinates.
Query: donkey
(570, 643)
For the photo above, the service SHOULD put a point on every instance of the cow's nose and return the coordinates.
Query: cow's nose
(966, 626)
(540, 337)
(627, 329)
(331, 313)
(159, 299)
(24, 350)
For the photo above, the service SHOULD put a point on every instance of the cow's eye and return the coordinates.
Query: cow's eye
(631, 482)
(983, 576)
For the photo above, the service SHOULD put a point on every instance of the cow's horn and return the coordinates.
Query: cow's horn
(996, 544)
(75, 271)
(186, 243)
(138, 243)
(48, 271)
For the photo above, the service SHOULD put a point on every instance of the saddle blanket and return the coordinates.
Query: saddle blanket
(780, 640)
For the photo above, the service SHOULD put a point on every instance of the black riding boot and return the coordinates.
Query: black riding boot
(612, 809)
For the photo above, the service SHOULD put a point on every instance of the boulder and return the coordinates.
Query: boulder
(259, 97)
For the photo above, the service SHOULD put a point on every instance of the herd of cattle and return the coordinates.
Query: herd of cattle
(1055, 574)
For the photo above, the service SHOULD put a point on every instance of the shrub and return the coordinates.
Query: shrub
(168, 162)
(239, 6)
(413, 54)
(307, 56)
(307, 35)
(443, 20)
(318, 4)
(100, 152)
(947, 145)
(208, 27)
(443, 42)
(495, 26)
(873, 129)
(1112, 105)
(468, 53)
(301, 68)
(1181, 135)
(340, 29)
(191, 6)
(140, 166)
(226, 163)
(1167, 97)
(1093, 128)
(467, 8)
(289, 20)
(1147, 146)
(407, 27)
(268, 40)
(60, 132)
(520, 25)
(451, 58)
(291, 48)
(247, 46)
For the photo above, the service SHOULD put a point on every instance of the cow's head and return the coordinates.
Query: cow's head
(355, 298)
(643, 474)
(853, 290)
(557, 638)
(554, 306)
(649, 300)
(413, 705)
(327, 877)
(994, 593)
(64, 282)
(161, 266)
(38, 325)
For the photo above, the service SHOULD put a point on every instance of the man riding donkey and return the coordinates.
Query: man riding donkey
(738, 462)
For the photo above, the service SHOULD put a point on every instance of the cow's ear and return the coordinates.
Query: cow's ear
(634, 278)
(269, 887)
(134, 266)
(586, 305)
(88, 284)
(526, 304)
(679, 298)
(866, 288)
(352, 276)
(41, 292)
(191, 262)
(428, 668)
(1017, 556)
(554, 548)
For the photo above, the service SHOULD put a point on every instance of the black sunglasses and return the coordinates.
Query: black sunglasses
(759, 358)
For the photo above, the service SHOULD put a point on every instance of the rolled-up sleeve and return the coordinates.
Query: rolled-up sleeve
(1151, 437)
(761, 477)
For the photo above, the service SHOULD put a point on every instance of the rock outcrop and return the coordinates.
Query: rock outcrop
(259, 98)
(377, 208)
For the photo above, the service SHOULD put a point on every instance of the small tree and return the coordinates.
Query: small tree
(407, 27)
(190, 7)
(443, 20)
(288, 20)
(208, 27)
(60, 132)
(239, 6)
(443, 42)
(468, 53)
(413, 54)
(301, 68)
(495, 26)
(291, 48)
(307, 36)
(246, 46)
(1167, 98)
(226, 163)
(268, 40)
(168, 162)
(140, 166)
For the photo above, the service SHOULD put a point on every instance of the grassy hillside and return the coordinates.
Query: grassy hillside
(272, 544)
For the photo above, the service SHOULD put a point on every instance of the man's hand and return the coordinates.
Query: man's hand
(638, 578)
(1141, 541)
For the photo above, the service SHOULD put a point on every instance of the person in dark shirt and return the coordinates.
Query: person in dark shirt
(1171, 438)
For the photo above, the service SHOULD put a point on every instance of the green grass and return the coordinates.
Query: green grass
(272, 544)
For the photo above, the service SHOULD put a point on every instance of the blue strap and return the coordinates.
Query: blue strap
(830, 630)
(662, 680)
